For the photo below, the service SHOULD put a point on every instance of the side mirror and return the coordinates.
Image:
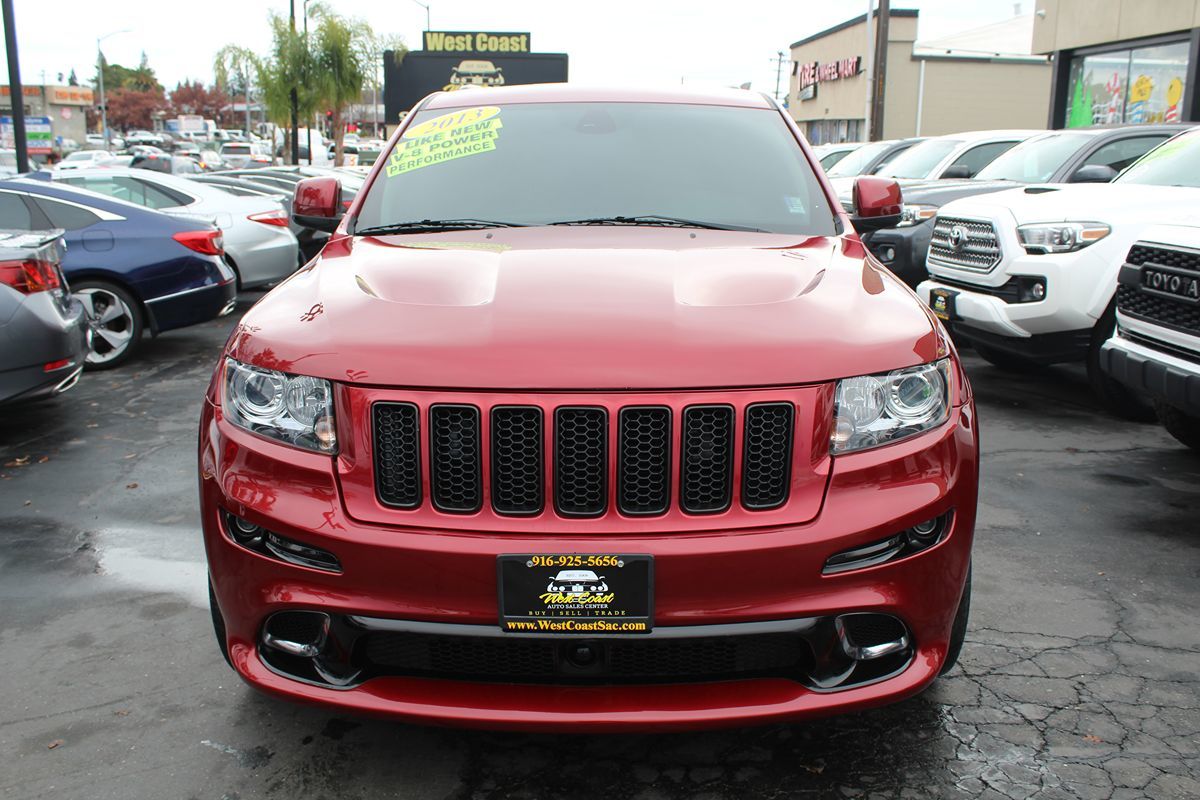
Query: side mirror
(956, 171)
(1093, 173)
(877, 203)
(317, 203)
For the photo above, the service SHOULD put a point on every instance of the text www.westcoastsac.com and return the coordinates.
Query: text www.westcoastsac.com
(573, 625)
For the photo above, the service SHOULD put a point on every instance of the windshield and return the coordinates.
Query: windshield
(1036, 160)
(538, 163)
(920, 159)
(82, 155)
(1173, 163)
(854, 163)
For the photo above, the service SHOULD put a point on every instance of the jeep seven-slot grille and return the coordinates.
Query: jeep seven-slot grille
(1161, 307)
(651, 450)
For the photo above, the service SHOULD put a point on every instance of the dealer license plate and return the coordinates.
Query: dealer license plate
(942, 303)
(576, 593)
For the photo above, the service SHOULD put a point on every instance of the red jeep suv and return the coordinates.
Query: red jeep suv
(593, 414)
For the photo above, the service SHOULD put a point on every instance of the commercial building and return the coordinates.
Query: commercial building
(64, 107)
(1120, 61)
(980, 79)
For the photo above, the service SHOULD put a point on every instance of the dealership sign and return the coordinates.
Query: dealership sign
(475, 42)
(812, 73)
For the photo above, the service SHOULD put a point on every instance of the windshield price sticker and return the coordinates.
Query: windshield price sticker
(576, 593)
(468, 132)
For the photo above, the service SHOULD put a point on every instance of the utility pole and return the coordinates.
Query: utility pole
(103, 101)
(15, 90)
(308, 126)
(870, 72)
(778, 70)
(881, 49)
(295, 133)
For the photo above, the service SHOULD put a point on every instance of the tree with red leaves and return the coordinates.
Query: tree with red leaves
(134, 108)
(194, 98)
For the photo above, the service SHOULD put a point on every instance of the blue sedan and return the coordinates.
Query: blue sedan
(131, 267)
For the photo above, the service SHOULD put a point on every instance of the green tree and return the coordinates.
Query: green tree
(337, 72)
(283, 70)
(372, 46)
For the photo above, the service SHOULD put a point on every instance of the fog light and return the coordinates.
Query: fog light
(270, 544)
(1038, 292)
(887, 254)
(244, 532)
(912, 540)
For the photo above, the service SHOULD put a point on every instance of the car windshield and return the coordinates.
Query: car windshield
(82, 155)
(1173, 163)
(1036, 160)
(920, 159)
(855, 162)
(723, 166)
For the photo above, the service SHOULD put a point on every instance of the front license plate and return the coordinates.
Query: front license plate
(574, 593)
(942, 303)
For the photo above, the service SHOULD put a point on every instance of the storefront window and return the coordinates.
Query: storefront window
(1135, 86)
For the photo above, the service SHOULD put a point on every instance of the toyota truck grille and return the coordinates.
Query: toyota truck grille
(964, 244)
(1156, 286)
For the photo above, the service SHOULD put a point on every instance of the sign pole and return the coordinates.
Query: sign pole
(16, 92)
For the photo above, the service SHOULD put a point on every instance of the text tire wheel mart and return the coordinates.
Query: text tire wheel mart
(1113, 395)
(114, 322)
(958, 633)
(1184, 427)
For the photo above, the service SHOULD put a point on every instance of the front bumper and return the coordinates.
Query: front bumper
(421, 575)
(903, 250)
(1154, 372)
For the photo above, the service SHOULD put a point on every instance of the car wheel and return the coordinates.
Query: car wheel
(958, 633)
(114, 323)
(1005, 361)
(1184, 427)
(1115, 396)
(218, 624)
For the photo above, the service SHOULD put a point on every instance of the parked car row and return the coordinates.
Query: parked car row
(118, 251)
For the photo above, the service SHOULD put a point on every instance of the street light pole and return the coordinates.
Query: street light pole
(308, 125)
(103, 102)
(426, 7)
(295, 134)
(15, 90)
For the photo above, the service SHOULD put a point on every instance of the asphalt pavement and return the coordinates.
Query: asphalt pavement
(1080, 676)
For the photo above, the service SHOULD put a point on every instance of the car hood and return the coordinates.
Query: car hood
(938, 193)
(1110, 203)
(588, 308)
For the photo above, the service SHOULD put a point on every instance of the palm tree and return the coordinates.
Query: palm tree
(240, 62)
(338, 69)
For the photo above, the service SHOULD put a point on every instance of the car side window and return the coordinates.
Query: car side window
(160, 196)
(67, 217)
(14, 214)
(120, 188)
(980, 156)
(1123, 152)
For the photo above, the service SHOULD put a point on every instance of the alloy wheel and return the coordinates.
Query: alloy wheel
(110, 324)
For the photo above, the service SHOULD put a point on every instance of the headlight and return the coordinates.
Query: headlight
(1060, 237)
(874, 410)
(294, 409)
(915, 214)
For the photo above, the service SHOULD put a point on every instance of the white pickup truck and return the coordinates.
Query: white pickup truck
(1156, 349)
(1028, 276)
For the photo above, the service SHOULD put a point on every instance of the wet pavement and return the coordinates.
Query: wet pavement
(1080, 676)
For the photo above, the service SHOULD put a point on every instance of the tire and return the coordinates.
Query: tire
(1115, 396)
(218, 625)
(114, 323)
(1184, 427)
(1005, 361)
(958, 633)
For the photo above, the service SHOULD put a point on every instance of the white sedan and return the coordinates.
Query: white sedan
(258, 243)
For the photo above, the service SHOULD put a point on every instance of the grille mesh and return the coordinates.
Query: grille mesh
(706, 479)
(397, 454)
(517, 459)
(580, 460)
(644, 460)
(540, 660)
(455, 482)
(1182, 259)
(980, 251)
(767, 455)
(1156, 308)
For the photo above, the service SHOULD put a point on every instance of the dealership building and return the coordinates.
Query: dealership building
(61, 111)
(1120, 61)
(985, 78)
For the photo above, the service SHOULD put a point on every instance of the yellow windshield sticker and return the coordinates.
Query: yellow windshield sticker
(468, 132)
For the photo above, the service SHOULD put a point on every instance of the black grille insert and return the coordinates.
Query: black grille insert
(454, 458)
(580, 460)
(523, 659)
(397, 454)
(517, 471)
(1153, 307)
(706, 477)
(644, 460)
(767, 455)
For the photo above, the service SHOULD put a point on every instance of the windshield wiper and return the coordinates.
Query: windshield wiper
(417, 226)
(657, 219)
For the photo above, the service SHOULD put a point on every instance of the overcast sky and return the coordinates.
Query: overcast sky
(617, 41)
